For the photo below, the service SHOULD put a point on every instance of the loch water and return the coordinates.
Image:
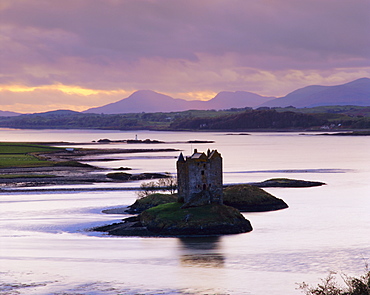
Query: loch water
(46, 249)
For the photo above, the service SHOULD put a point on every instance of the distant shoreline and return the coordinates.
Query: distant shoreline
(264, 119)
(64, 173)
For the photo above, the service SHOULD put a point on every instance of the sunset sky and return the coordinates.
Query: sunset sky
(77, 54)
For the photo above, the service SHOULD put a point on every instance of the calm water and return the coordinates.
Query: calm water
(44, 248)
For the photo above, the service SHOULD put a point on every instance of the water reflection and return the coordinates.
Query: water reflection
(201, 252)
(200, 243)
(203, 260)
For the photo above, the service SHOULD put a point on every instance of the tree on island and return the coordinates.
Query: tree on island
(167, 184)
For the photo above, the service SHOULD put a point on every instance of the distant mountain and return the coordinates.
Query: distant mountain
(353, 93)
(141, 101)
(150, 102)
(237, 99)
(8, 114)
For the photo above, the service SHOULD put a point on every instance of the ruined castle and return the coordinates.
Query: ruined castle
(199, 178)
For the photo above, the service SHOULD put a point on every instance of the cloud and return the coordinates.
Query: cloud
(184, 46)
(25, 99)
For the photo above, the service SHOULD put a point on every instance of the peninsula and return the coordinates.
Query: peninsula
(24, 164)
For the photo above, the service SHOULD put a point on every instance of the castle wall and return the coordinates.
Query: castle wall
(215, 174)
(197, 175)
(200, 176)
(182, 180)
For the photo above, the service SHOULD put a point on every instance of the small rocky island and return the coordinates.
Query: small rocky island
(286, 182)
(199, 208)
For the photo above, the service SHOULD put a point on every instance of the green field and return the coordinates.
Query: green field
(23, 155)
(24, 148)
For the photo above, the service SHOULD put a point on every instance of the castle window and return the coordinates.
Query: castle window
(202, 172)
(204, 186)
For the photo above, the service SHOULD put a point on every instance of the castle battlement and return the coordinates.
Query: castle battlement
(199, 178)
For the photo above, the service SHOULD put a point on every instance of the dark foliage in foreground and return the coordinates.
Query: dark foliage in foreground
(330, 286)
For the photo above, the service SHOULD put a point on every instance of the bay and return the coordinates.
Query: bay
(45, 248)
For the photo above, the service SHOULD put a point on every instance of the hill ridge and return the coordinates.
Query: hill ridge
(356, 92)
(151, 101)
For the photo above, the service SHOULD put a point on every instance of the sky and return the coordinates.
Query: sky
(77, 54)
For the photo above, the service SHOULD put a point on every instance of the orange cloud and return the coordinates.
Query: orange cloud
(68, 89)
(24, 99)
(199, 95)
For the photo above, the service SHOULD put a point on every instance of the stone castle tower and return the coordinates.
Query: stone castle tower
(199, 178)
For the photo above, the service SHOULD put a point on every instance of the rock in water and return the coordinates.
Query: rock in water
(248, 198)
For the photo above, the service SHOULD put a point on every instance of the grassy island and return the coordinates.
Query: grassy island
(162, 215)
(212, 219)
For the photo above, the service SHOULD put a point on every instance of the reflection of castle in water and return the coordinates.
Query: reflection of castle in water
(200, 243)
(203, 260)
(201, 252)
